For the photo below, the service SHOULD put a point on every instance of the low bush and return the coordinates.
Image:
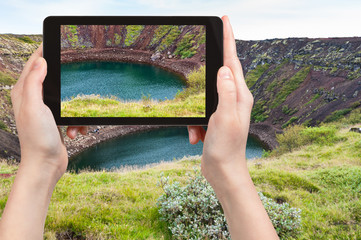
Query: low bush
(193, 211)
(337, 115)
(196, 83)
(296, 136)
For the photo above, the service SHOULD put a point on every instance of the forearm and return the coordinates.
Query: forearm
(25, 211)
(243, 209)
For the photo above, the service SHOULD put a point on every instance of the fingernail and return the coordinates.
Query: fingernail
(225, 73)
(37, 63)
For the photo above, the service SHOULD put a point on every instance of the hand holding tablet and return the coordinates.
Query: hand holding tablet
(132, 70)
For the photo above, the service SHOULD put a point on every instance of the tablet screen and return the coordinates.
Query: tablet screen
(156, 71)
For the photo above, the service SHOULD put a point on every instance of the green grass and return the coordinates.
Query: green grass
(259, 111)
(95, 106)
(133, 32)
(169, 38)
(3, 126)
(253, 75)
(322, 177)
(6, 79)
(289, 86)
(337, 115)
(26, 39)
(187, 103)
(316, 96)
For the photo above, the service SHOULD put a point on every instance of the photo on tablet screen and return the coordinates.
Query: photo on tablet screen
(133, 71)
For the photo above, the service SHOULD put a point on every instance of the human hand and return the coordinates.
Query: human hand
(42, 146)
(224, 149)
(223, 161)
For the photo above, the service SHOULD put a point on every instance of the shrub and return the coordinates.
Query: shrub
(289, 122)
(26, 39)
(337, 115)
(3, 126)
(196, 83)
(6, 79)
(297, 136)
(193, 211)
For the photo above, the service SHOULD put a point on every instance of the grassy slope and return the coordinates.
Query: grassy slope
(189, 102)
(324, 181)
(93, 106)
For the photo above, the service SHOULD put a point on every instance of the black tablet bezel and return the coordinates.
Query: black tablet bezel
(51, 52)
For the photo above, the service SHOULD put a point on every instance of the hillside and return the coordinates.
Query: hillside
(301, 80)
(293, 80)
(322, 178)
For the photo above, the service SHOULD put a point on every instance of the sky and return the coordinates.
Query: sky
(251, 19)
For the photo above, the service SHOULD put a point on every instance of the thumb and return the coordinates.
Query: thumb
(227, 91)
(33, 83)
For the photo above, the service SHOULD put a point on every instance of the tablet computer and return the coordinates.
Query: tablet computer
(132, 70)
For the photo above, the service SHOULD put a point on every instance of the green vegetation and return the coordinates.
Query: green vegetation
(6, 79)
(259, 111)
(117, 39)
(193, 211)
(188, 103)
(169, 38)
(72, 35)
(320, 174)
(337, 115)
(289, 86)
(253, 75)
(95, 106)
(3, 126)
(159, 33)
(289, 122)
(133, 32)
(289, 111)
(189, 44)
(316, 96)
(196, 83)
(185, 47)
(297, 136)
(26, 39)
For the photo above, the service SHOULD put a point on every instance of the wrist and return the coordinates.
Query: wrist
(40, 173)
(227, 178)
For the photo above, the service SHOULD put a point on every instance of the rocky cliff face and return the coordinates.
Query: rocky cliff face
(301, 80)
(172, 41)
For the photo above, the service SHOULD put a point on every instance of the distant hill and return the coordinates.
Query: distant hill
(301, 80)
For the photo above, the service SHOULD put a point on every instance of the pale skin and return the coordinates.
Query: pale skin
(44, 157)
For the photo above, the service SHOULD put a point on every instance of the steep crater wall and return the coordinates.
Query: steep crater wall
(178, 48)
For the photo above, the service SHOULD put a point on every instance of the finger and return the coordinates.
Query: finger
(72, 132)
(33, 83)
(83, 130)
(231, 59)
(28, 66)
(194, 134)
(202, 133)
(227, 91)
(17, 92)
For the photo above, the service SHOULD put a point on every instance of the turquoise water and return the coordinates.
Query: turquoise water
(126, 81)
(145, 148)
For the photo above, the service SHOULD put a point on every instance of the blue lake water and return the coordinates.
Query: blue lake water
(126, 81)
(144, 148)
